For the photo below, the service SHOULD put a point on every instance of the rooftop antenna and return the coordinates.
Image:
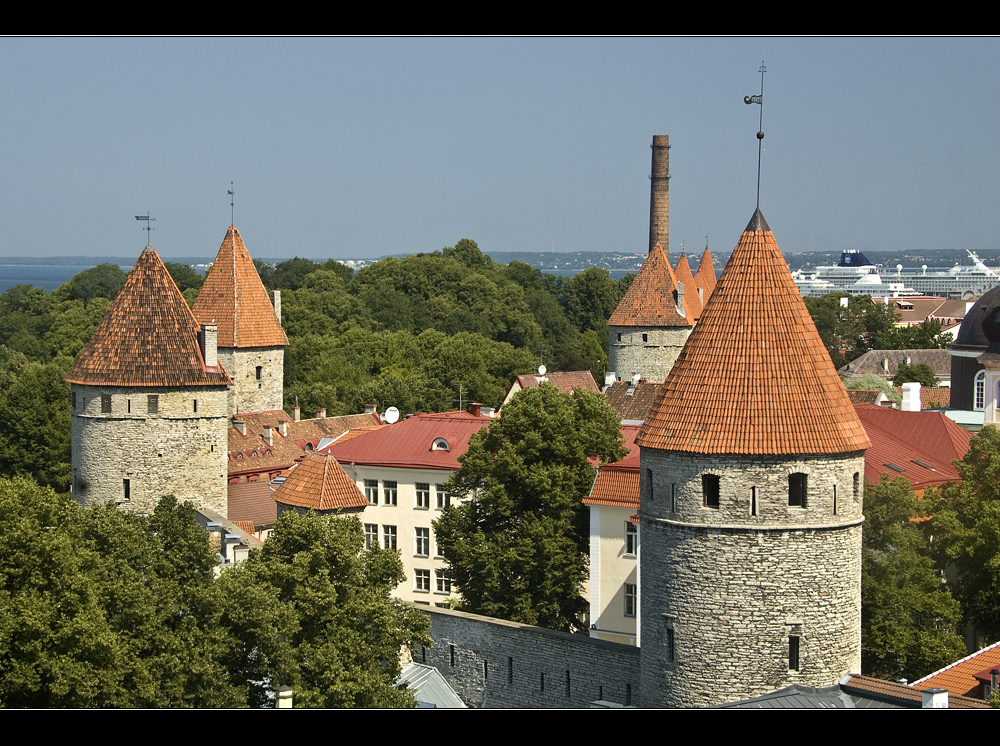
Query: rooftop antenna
(232, 204)
(148, 227)
(759, 99)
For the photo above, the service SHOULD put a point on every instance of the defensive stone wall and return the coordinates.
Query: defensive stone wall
(132, 446)
(250, 393)
(650, 351)
(495, 663)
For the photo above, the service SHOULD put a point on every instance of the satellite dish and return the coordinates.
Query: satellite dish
(391, 415)
(541, 370)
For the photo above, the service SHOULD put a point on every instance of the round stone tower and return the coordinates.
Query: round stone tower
(148, 399)
(752, 461)
(251, 340)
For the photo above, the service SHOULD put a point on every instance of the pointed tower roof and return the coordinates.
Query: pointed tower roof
(705, 276)
(650, 301)
(320, 482)
(148, 337)
(692, 304)
(754, 376)
(234, 298)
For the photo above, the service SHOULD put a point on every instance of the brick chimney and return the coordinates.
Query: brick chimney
(475, 408)
(296, 413)
(276, 302)
(267, 435)
(321, 413)
(241, 426)
(370, 408)
(208, 338)
(283, 428)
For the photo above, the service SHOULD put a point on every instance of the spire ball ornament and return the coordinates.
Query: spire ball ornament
(760, 134)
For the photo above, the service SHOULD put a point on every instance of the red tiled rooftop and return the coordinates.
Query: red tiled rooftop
(569, 381)
(148, 337)
(960, 677)
(320, 483)
(409, 442)
(692, 304)
(705, 276)
(632, 406)
(234, 298)
(754, 376)
(617, 484)
(902, 694)
(650, 301)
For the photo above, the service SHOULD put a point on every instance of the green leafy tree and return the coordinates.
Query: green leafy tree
(967, 531)
(184, 276)
(919, 373)
(102, 281)
(908, 616)
(872, 382)
(516, 543)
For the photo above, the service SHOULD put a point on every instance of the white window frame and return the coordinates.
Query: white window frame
(442, 497)
(631, 538)
(422, 542)
(390, 492)
(422, 581)
(371, 535)
(631, 599)
(423, 500)
(389, 537)
(443, 581)
(979, 391)
(371, 491)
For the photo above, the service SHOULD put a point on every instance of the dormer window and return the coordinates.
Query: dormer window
(440, 444)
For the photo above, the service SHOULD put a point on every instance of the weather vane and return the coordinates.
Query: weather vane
(232, 204)
(148, 227)
(759, 99)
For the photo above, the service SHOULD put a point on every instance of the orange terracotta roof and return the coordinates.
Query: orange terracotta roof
(320, 483)
(960, 677)
(234, 298)
(902, 694)
(148, 337)
(634, 405)
(617, 484)
(692, 304)
(754, 376)
(650, 300)
(705, 276)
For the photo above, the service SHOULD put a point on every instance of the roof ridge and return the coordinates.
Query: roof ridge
(970, 656)
(651, 299)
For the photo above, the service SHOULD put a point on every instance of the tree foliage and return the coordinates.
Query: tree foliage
(516, 543)
(919, 373)
(102, 608)
(908, 615)
(967, 531)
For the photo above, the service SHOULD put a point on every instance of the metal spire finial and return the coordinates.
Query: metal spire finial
(759, 99)
(232, 204)
(148, 227)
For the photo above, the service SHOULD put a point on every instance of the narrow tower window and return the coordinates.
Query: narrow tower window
(105, 403)
(649, 485)
(127, 489)
(797, 490)
(710, 490)
(753, 501)
(857, 486)
(153, 404)
(259, 369)
(793, 653)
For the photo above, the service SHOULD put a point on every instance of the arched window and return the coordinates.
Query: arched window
(979, 391)
(440, 444)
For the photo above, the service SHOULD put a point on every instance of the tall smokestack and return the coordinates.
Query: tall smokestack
(659, 193)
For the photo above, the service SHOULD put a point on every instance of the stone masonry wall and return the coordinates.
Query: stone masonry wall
(248, 393)
(494, 663)
(725, 590)
(653, 358)
(178, 450)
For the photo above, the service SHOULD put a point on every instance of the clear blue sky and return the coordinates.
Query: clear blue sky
(353, 148)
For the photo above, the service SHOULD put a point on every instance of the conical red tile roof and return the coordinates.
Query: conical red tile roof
(692, 305)
(320, 482)
(148, 337)
(650, 300)
(754, 376)
(234, 298)
(705, 276)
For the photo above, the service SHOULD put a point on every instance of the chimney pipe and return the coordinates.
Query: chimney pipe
(321, 413)
(209, 340)
(283, 428)
(276, 302)
(241, 426)
(659, 194)
(934, 699)
(296, 413)
(911, 397)
(267, 435)
(370, 408)
(474, 408)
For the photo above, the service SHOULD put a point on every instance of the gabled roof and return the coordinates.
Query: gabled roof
(148, 337)
(569, 381)
(961, 677)
(234, 298)
(252, 501)
(683, 275)
(650, 300)
(409, 443)
(705, 276)
(754, 376)
(871, 362)
(918, 446)
(320, 483)
(631, 402)
(617, 484)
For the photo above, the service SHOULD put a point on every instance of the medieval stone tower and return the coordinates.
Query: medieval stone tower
(149, 401)
(251, 340)
(751, 500)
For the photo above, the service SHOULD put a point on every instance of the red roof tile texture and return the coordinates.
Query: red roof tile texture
(634, 406)
(692, 304)
(320, 483)
(902, 694)
(960, 677)
(148, 337)
(754, 376)
(650, 300)
(617, 484)
(234, 298)
(569, 381)
(705, 276)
